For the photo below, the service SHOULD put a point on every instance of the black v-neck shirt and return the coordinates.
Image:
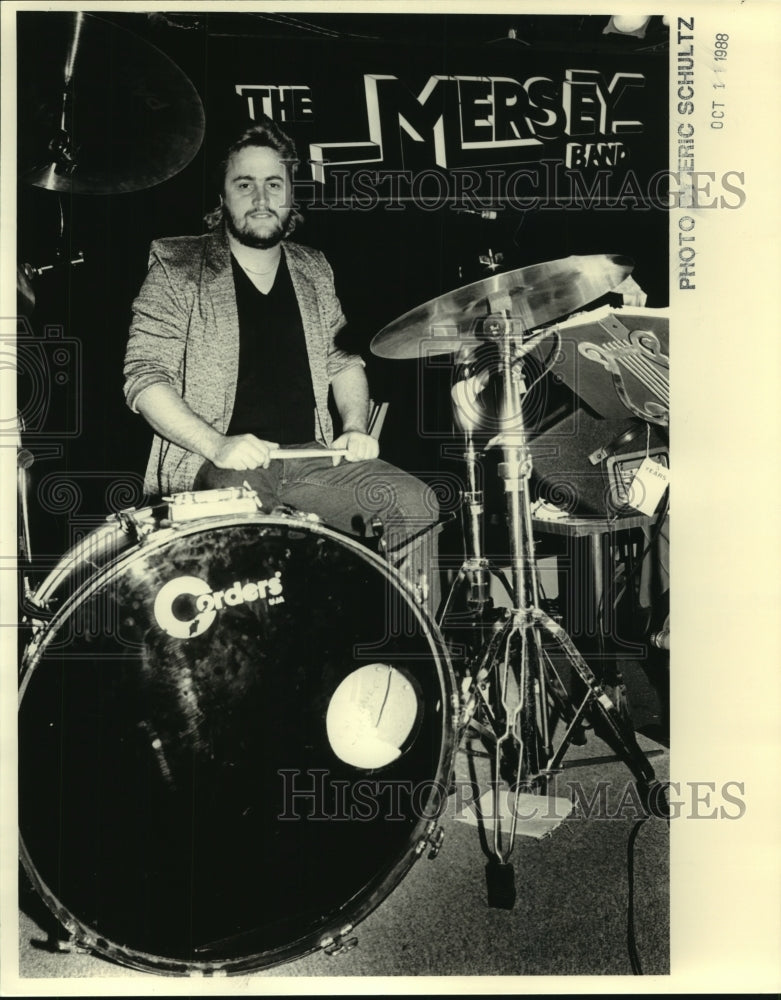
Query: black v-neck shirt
(274, 396)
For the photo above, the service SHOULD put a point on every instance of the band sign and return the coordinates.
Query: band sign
(461, 120)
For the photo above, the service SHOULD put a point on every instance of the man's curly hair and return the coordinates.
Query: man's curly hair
(265, 133)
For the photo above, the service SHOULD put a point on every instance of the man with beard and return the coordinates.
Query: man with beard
(232, 354)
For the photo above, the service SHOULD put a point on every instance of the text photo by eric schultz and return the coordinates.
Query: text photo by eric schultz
(389, 422)
(724, 254)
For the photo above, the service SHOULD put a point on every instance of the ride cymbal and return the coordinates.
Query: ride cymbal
(534, 296)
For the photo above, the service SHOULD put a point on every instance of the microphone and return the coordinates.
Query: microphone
(464, 396)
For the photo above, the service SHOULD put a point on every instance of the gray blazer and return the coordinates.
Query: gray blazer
(185, 331)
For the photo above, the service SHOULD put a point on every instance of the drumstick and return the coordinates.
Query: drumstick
(305, 452)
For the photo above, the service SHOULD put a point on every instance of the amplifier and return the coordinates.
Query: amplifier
(584, 463)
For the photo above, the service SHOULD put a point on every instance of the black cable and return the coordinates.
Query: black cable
(634, 958)
(547, 363)
(543, 366)
(655, 532)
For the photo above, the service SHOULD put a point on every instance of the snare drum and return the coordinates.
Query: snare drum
(235, 738)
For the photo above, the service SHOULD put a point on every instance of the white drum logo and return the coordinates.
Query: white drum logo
(208, 602)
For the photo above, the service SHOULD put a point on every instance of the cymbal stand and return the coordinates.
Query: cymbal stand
(474, 569)
(473, 575)
(516, 656)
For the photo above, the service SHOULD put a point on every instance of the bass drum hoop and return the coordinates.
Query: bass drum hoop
(372, 895)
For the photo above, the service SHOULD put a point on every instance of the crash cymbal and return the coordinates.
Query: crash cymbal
(534, 296)
(101, 111)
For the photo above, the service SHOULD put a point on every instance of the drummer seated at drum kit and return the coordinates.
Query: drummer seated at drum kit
(231, 355)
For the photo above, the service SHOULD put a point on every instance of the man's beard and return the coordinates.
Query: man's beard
(246, 237)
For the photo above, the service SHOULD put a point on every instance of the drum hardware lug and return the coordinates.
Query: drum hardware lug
(32, 646)
(436, 842)
(125, 519)
(284, 510)
(339, 944)
(432, 839)
(132, 525)
(32, 618)
(74, 942)
(420, 589)
(456, 708)
(421, 845)
(28, 595)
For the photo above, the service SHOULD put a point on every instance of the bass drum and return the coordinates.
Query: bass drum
(235, 736)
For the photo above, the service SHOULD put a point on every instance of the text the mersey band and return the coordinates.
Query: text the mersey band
(375, 547)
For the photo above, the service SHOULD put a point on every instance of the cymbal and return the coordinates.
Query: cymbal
(534, 296)
(134, 117)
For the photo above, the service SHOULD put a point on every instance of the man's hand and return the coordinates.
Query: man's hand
(360, 447)
(162, 406)
(243, 451)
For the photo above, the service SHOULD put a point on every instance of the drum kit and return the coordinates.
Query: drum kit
(237, 729)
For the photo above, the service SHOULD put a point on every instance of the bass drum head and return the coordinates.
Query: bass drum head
(232, 743)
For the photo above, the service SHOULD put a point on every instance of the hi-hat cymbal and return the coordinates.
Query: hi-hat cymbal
(533, 295)
(134, 119)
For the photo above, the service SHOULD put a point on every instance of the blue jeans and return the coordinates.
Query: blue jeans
(347, 497)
